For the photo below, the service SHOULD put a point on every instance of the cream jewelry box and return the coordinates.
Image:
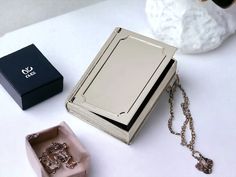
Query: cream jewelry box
(57, 152)
(123, 83)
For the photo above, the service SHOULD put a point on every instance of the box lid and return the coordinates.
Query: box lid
(123, 75)
(29, 77)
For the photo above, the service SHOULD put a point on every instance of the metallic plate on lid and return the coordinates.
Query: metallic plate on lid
(123, 75)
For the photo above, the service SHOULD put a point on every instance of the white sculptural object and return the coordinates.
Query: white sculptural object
(190, 25)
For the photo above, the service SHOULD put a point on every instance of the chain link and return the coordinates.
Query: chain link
(204, 164)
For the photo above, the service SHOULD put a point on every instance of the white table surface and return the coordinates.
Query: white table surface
(70, 42)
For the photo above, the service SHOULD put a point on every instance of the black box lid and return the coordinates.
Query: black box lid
(29, 77)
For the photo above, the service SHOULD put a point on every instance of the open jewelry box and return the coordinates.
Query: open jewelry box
(38, 143)
(122, 84)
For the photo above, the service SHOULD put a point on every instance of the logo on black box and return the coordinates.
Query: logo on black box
(28, 72)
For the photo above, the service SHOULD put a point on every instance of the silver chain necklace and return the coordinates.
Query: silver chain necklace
(204, 164)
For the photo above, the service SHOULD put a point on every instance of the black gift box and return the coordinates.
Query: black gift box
(29, 77)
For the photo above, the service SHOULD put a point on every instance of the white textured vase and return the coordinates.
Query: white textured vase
(190, 25)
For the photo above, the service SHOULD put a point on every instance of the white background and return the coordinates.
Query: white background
(15, 14)
(70, 42)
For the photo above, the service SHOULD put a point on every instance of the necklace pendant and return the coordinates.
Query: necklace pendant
(205, 165)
